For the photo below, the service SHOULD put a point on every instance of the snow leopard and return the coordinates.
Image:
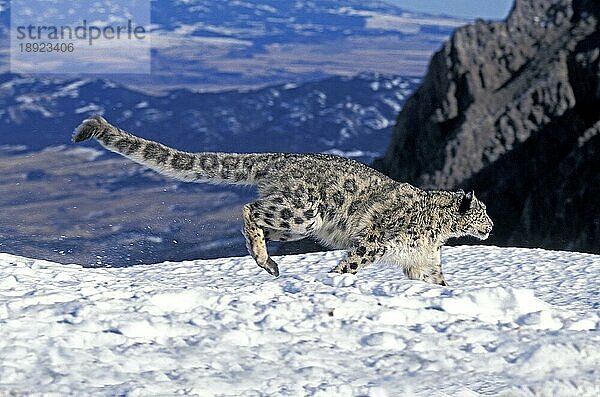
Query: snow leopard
(339, 202)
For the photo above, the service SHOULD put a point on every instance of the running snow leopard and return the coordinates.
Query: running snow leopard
(338, 201)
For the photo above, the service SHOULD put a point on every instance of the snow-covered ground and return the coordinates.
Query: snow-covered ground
(514, 322)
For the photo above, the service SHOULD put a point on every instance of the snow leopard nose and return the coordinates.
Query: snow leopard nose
(486, 230)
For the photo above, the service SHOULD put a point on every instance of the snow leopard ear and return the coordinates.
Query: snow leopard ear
(466, 202)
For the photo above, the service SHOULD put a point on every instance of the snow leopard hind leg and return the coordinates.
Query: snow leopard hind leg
(273, 218)
(280, 235)
(256, 243)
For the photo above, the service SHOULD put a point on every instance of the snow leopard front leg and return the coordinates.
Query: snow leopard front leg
(366, 251)
(427, 268)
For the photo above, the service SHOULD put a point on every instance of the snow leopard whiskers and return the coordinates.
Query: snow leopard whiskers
(340, 202)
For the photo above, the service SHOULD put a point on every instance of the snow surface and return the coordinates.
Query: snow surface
(514, 322)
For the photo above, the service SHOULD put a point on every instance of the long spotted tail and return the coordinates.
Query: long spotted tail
(191, 167)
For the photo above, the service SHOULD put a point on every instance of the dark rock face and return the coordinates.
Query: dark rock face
(512, 110)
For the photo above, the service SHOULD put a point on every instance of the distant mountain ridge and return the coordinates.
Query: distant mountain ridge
(351, 116)
(512, 109)
(218, 45)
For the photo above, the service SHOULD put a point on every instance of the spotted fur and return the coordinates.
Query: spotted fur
(340, 202)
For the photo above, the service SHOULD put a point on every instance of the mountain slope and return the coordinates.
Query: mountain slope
(352, 115)
(513, 322)
(511, 110)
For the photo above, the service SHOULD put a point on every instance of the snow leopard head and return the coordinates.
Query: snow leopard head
(473, 219)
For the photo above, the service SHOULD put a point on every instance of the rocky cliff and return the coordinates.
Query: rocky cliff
(512, 110)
